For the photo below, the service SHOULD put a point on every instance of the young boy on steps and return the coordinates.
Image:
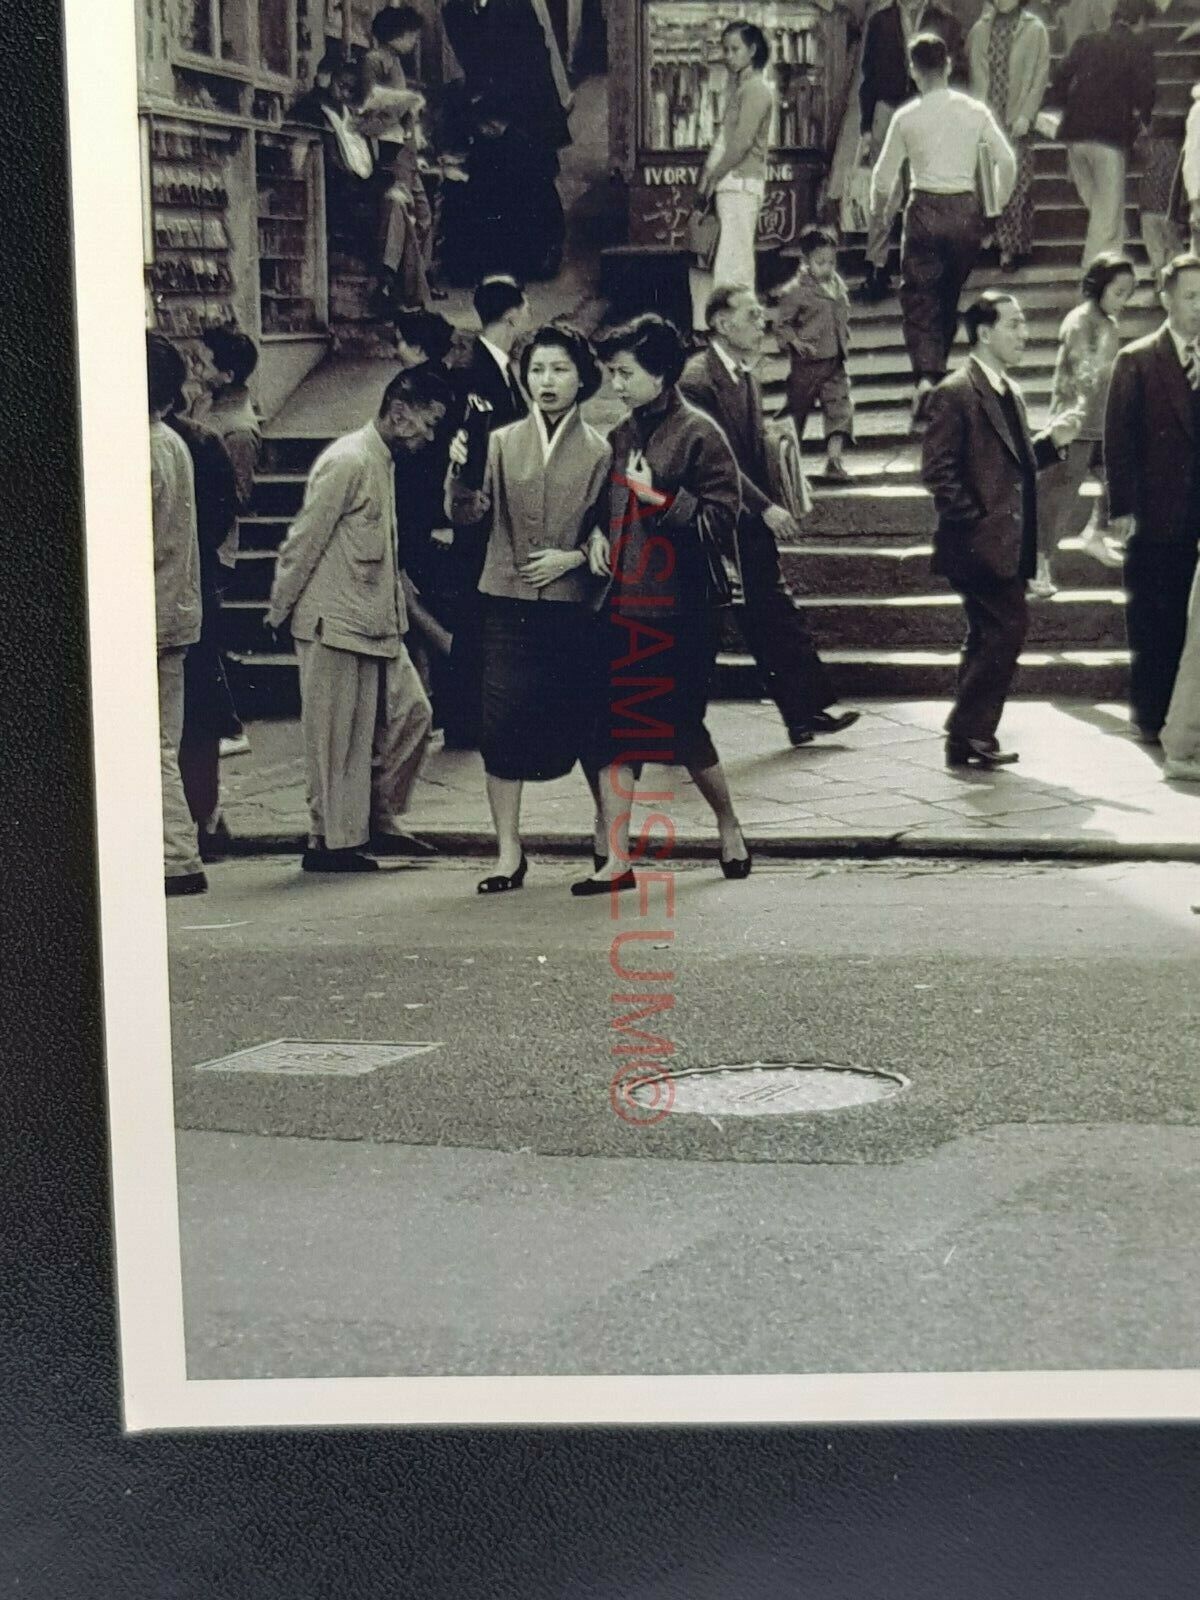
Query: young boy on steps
(813, 324)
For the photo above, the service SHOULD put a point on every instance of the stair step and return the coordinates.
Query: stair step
(932, 674)
(845, 567)
(1073, 619)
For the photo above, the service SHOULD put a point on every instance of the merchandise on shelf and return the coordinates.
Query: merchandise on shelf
(685, 81)
(190, 279)
(285, 269)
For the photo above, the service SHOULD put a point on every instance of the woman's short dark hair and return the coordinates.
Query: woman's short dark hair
(426, 330)
(653, 342)
(753, 38)
(166, 372)
(395, 22)
(562, 336)
(1103, 270)
(232, 351)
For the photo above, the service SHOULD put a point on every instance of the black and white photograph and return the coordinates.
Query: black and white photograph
(645, 677)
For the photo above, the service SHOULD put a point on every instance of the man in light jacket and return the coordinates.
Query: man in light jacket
(176, 604)
(365, 716)
(1106, 85)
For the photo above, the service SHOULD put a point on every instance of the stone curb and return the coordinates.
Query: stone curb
(859, 843)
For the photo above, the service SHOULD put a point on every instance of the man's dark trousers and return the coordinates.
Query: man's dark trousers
(943, 234)
(773, 622)
(1158, 582)
(997, 618)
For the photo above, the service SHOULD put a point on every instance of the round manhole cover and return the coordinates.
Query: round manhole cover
(766, 1089)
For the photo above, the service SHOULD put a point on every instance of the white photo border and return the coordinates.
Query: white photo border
(106, 161)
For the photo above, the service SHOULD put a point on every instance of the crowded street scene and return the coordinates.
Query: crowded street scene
(737, 464)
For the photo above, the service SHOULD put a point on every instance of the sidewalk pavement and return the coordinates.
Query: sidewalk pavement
(1082, 789)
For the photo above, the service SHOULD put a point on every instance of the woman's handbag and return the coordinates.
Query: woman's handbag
(703, 232)
(718, 583)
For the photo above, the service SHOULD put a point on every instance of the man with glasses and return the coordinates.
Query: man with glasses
(720, 381)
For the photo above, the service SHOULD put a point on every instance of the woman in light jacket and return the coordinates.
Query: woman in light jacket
(1008, 51)
(735, 173)
(672, 466)
(545, 491)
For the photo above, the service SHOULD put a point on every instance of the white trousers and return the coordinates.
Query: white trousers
(181, 853)
(1098, 173)
(366, 722)
(734, 262)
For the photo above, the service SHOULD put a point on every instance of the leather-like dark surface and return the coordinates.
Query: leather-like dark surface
(86, 1514)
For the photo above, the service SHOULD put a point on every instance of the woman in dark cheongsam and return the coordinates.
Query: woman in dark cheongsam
(672, 466)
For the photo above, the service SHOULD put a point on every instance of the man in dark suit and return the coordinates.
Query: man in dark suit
(980, 464)
(719, 381)
(1152, 461)
(885, 84)
(489, 380)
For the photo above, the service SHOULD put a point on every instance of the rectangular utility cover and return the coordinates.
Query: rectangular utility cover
(310, 1058)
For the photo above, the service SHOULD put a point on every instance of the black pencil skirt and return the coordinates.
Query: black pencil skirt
(539, 687)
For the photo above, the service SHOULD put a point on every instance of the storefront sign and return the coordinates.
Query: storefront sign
(660, 204)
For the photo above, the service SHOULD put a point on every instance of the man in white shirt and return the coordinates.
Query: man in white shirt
(365, 716)
(939, 135)
(885, 83)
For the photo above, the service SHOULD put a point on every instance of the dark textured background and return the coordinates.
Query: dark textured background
(83, 1512)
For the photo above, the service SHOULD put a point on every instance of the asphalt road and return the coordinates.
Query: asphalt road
(1031, 1199)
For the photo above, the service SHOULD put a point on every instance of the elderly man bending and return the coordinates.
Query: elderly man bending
(365, 716)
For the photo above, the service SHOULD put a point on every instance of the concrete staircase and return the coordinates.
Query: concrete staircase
(884, 624)
(881, 619)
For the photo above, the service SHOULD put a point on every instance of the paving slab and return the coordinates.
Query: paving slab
(1082, 788)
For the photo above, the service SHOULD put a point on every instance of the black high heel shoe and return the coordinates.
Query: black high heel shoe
(739, 869)
(598, 861)
(588, 886)
(502, 882)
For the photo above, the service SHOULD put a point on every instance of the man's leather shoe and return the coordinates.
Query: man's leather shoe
(215, 844)
(185, 883)
(316, 860)
(824, 723)
(978, 752)
(800, 735)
